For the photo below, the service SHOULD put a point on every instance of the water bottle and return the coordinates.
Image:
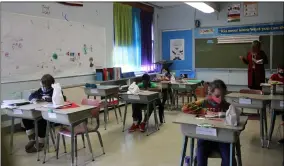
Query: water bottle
(186, 160)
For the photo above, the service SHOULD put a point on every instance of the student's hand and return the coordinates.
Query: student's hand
(241, 57)
(34, 101)
(46, 98)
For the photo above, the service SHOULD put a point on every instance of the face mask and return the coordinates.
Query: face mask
(215, 99)
(281, 73)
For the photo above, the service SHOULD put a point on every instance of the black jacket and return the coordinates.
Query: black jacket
(39, 93)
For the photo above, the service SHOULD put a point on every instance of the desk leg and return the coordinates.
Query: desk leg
(183, 153)
(147, 120)
(261, 128)
(36, 139)
(265, 123)
(272, 123)
(231, 154)
(46, 140)
(12, 134)
(155, 116)
(238, 151)
(72, 145)
(124, 118)
(191, 151)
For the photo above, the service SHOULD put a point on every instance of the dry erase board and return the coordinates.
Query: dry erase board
(32, 46)
(210, 54)
(278, 51)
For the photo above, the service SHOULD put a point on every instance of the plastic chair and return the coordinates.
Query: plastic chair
(80, 130)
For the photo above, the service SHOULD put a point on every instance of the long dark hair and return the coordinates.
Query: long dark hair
(165, 68)
(146, 77)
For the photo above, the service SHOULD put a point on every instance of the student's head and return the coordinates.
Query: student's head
(255, 47)
(146, 80)
(280, 70)
(165, 70)
(46, 81)
(217, 90)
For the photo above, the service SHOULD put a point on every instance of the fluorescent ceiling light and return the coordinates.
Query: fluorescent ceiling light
(201, 6)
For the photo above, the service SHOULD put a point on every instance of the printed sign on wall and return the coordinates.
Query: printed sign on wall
(177, 49)
(234, 13)
(250, 9)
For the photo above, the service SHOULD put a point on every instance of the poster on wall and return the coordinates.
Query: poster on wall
(234, 12)
(177, 49)
(250, 9)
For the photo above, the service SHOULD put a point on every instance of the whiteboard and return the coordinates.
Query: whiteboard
(33, 46)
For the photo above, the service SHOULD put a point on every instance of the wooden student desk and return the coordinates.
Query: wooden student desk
(144, 97)
(277, 104)
(106, 91)
(188, 87)
(224, 133)
(253, 101)
(278, 89)
(71, 117)
(24, 112)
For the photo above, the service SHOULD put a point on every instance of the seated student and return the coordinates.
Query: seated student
(279, 76)
(166, 77)
(137, 108)
(42, 94)
(216, 103)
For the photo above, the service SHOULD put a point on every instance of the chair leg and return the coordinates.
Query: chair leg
(52, 131)
(76, 150)
(101, 141)
(124, 118)
(83, 139)
(64, 143)
(57, 145)
(114, 107)
(119, 111)
(89, 142)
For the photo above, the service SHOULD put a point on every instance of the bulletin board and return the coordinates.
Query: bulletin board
(181, 40)
(32, 46)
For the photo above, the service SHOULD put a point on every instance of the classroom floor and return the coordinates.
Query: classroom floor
(162, 148)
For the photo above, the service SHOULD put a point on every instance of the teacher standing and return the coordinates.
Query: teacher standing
(255, 59)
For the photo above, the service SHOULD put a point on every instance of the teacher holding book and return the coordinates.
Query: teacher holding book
(255, 59)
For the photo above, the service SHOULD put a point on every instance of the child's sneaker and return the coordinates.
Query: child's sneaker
(133, 128)
(142, 127)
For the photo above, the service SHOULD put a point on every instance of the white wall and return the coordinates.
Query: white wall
(93, 13)
(183, 16)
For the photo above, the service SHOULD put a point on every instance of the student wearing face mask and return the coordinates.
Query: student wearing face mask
(42, 94)
(279, 76)
(255, 59)
(215, 102)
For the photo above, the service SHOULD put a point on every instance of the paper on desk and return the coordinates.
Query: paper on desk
(181, 86)
(281, 103)
(52, 115)
(18, 101)
(17, 112)
(134, 97)
(94, 90)
(244, 101)
(206, 131)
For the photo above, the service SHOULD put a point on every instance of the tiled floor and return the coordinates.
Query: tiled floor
(162, 148)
